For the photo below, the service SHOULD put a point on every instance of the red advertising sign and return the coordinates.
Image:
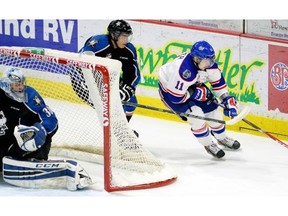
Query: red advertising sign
(278, 78)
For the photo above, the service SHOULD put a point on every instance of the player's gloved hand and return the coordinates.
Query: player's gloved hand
(126, 91)
(200, 92)
(30, 138)
(230, 106)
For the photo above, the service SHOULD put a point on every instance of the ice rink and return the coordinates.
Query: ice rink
(255, 177)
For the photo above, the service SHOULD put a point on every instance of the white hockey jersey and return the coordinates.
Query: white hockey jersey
(175, 78)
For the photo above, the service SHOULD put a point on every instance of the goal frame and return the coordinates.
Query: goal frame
(24, 52)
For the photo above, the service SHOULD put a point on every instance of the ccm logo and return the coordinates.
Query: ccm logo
(48, 165)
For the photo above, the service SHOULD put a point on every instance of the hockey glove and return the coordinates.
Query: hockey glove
(30, 138)
(126, 91)
(230, 106)
(200, 92)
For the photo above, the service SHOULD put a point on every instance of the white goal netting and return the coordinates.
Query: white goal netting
(84, 93)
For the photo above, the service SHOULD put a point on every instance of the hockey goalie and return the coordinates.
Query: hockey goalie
(27, 126)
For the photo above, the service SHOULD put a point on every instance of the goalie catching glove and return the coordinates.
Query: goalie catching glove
(30, 138)
(126, 91)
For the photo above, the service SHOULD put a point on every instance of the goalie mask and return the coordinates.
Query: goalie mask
(15, 82)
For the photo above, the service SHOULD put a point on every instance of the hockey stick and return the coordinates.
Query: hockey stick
(228, 122)
(265, 132)
(256, 127)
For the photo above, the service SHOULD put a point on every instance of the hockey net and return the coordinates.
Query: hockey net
(92, 124)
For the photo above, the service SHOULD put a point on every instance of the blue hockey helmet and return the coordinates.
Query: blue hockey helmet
(202, 50)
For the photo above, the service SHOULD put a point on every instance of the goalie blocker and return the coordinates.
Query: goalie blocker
(46, 174)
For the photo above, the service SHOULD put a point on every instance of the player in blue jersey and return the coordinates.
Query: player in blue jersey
(182, 88)
(22, 105)
(116, 45)
(27, 126)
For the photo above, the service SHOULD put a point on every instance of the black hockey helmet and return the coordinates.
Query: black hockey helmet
(116, 27)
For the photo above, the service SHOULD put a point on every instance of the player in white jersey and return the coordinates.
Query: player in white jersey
(182, 89)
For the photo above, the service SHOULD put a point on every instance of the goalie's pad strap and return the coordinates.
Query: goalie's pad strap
(35, 174)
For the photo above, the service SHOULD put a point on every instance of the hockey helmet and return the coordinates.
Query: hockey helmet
(116, 27)
(203, 51)
(15, 75)
(14, 81)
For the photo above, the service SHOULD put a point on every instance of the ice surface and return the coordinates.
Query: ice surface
(255, 177)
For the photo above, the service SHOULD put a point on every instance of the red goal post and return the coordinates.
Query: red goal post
(83, 91)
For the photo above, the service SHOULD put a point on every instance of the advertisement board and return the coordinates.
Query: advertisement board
(53, 34)
(270, 28)
(278, 78)
(231, 25)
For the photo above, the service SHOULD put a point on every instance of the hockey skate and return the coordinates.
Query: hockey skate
(229, 143)
(215, 151)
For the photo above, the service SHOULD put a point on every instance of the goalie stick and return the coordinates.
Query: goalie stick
(232, 121)
(255, 126)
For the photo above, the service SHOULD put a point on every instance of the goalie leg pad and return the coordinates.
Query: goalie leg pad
(47, 174)
(77, 177)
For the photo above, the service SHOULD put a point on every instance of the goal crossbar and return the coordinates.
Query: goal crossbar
(84, 92)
